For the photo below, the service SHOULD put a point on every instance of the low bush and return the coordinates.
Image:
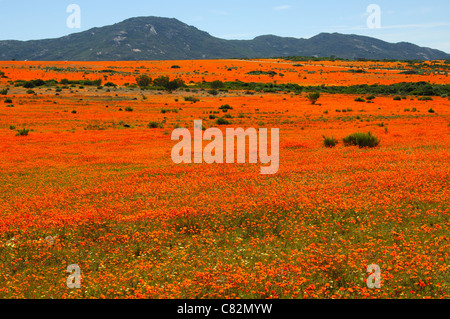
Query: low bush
(222, 121)
(191, 99)
(23, 132)
(225, 107)
(329, 141)
(154, 125)
(361, 140)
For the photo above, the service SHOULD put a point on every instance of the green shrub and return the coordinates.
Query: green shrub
(222, 121)
(28, 85)
(225, 107)
(431, 111)
(23, 132)
(164, 111)
(167, 84)
(425, 98)
(397, 98)
(143, 80)
(8, 101)
(212, 117)
(361, 140)
(313, 97)
(128, 109)
(154, 125)
(217, 85)
(191, 99)
(360, 99)
(271, 73)
(30, 92)
(329, 141)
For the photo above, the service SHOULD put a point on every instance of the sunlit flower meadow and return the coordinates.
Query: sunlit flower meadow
(93, 184)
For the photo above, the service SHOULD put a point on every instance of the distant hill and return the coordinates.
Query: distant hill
(154, 38)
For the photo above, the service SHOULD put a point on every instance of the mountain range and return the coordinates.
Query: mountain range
(156, 38)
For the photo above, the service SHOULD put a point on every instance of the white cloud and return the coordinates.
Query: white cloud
(281, 8)
(219, 12)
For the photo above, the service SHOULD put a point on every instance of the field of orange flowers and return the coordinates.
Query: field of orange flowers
(93, 185)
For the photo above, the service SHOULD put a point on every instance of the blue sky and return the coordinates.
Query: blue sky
(426, 23)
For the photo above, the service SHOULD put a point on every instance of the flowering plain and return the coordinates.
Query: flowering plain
(91, 183)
